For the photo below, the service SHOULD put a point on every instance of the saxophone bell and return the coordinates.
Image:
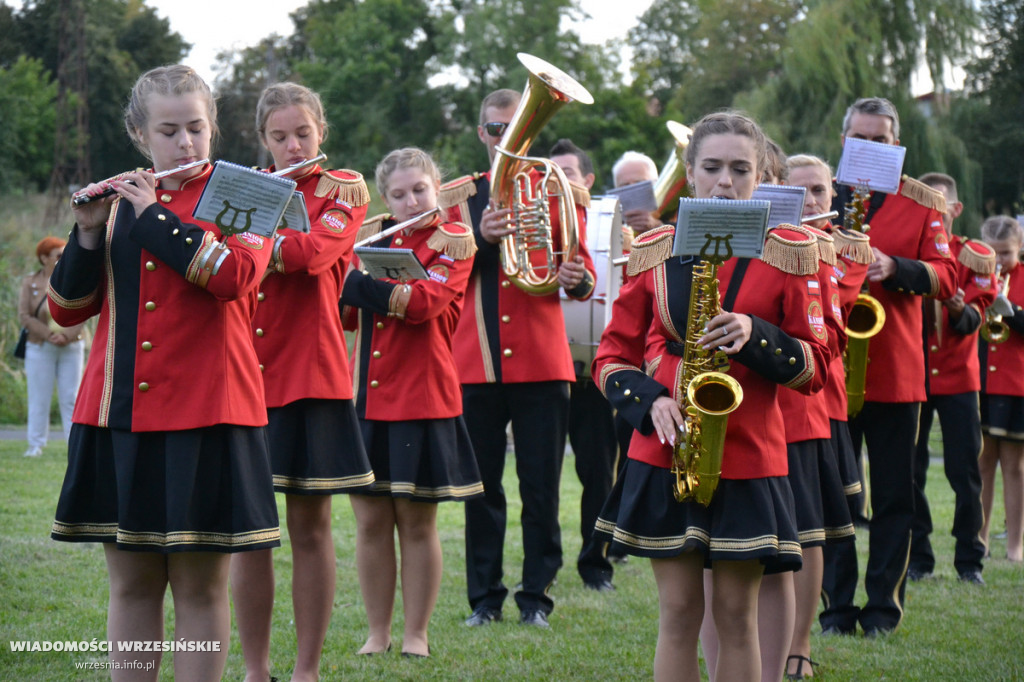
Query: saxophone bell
(993, 329)
(866, 319)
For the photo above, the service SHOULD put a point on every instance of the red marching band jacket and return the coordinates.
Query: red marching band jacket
(297, 331)
(506, 335)
(908, 228)
(404, 367)
(1002, 364)
(173, 347)
(788, 344)
(806, 416)
(952, 349)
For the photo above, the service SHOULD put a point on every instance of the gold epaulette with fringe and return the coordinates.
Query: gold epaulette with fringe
(650, 249)
(459, 245)
(826, 244)
(792, 250)
(580, 194)
(457, 192)
(853, 246)
(929, 197)
(371, 226)
(978, 256)
(351, 190)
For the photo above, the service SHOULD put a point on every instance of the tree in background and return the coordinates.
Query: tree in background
(27, 95)
(989, 117)
(123, 38)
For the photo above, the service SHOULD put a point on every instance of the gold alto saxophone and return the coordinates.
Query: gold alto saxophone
(993, 329)
(707, 393)
(866, 318)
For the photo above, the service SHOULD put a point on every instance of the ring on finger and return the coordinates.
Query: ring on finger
(725, 331)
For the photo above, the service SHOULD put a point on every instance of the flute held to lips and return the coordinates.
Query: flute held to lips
(81, 199)
(820, 216)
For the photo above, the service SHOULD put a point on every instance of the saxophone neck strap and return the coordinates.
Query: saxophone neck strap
(734, 284)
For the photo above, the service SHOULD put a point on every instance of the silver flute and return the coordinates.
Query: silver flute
(81, 199)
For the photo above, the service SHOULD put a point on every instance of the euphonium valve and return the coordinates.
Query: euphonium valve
(866, 319)
(547, 90)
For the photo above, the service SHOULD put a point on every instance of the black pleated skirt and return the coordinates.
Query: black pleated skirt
(846, 458)
(316, 448)
(1002, 416)
(200, 490)
(426, 460)
(822, 514)
(747, 519)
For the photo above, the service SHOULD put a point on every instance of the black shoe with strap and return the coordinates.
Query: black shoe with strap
(800, 660)
(534, 617)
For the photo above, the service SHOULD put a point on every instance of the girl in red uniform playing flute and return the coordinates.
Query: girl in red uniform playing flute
(1002, 391)
(315, 447)
(167, 460)
(409, 401)
(771, 327)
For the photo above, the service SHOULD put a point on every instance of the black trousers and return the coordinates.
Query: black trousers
(539, 414)
(890, 433)
(960, 421)
(594, 445)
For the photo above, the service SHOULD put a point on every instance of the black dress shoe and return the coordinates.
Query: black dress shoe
(482, 616)
(599, 585)
(836, 631)
(534, 617)
(877, 632)
(972, 577)
(918, 574)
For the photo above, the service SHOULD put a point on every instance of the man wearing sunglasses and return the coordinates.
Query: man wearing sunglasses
(515, 366)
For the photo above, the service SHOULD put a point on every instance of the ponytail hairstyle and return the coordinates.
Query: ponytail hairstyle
(176, 79)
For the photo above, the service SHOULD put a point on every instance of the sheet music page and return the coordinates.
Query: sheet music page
(385, 263)
(296, 215)
(873, 164)
(787, 203)
(639, 195)
(241, 199)
(730, 228)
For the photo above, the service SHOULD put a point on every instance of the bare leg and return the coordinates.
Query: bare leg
(138, 581)
(421, 570)
(734, 603)
(376, 564)
(807, 584)
(313, 578)
(680, 610)
(252, 588)
(202, 612)
(776, 614)
(1011, 460)
(987, 465)
(708, 634)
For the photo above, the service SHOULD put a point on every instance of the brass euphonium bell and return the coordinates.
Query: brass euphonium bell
(672, 180)
(547, 90)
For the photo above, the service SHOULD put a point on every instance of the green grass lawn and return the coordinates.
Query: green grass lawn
(56, 591)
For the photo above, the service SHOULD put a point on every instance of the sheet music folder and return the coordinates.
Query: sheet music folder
(385, 263)
(242, 199)
(720, 228)
(875, 165)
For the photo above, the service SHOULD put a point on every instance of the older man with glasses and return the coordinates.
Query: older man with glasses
(515, 366)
